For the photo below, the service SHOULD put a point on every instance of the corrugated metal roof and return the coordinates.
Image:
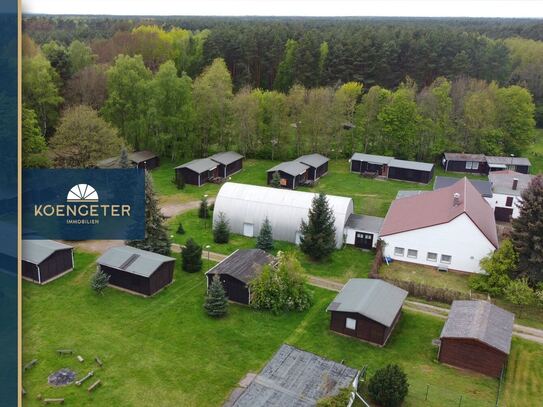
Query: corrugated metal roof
(199, 165)
(373, 298)
(484, 187)
(36, 251)
(226, 157)
(133, 260)
(373, 159)
(290, 167)
(365, 223)
(296, 378)
(313, 160)
(437, 207)
(411, 165)
(243, 264)
(285, 209)
(502, 182)
(482, 321)
(464, 157)
(508, 160)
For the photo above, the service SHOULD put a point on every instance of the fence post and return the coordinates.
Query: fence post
(427, 389)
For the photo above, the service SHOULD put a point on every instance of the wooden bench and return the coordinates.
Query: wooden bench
(94, 385)
(53, 401)
(80, 358)
(99, 361)
(62, 352)
(83, 379)
(30, 365)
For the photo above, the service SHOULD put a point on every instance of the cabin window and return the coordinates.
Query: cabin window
(399, 251)
(446, 259)
(469, 165)
(350, 323)
(431, 256)
(475, 165)
(509, 201)
(412, 253)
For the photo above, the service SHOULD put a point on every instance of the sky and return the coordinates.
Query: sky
(407, 8)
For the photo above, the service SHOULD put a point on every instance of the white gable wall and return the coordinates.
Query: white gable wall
(499, 200)
(460, 238)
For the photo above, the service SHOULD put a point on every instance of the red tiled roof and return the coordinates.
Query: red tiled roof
(437, 207)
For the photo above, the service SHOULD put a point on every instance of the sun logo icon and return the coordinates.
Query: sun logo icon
(82, 193)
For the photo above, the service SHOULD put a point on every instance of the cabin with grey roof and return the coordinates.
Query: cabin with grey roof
(367, 309)
(45, 260)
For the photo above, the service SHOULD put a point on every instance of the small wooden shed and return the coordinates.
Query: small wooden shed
(462, 162)
(45, 260)
(477, 336)
(144, 159)
(238, 270)
(317, 163)
(135, 270)
(197, 172)
(291, 173)
(413, 171)
(229, 162)
(368, 163)
(367, 309)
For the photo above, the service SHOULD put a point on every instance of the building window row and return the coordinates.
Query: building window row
(472, 165)
(430, 256)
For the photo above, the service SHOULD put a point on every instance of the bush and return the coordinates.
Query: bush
(180, 229)
(388, 386)
(99, 281)
(179, 182)
(203, 211)
(216, 303)
(191, 256)
(276, 180)
(221, 231)
(339, 400)
(283, 289)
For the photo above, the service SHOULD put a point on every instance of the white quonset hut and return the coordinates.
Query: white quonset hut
(246, 207)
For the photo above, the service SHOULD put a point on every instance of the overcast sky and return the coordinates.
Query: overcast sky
(409, 8)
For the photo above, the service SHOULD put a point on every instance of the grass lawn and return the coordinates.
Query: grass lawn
(165, 351)
(535, 153)
(530, 316)
(346, 263)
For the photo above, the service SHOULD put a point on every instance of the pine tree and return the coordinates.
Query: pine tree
(216, 303)
(179, 181)
(264, 240)
(124, 162)
(318, 238)
(276, 180)
(191, 256)
(528, 231)
(180, 229)
(221, 231)
(157, 239)
(203, 211)
(99, 281)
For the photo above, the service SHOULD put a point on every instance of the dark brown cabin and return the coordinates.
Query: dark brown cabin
(137, 271)
(144, 159)
(370, 164)
(45, 260)
(367, 309)
(317, 163)
(412, 171)
(237, 271)
(229, 162)
(477, 337)
(197, 172)
(292, 174)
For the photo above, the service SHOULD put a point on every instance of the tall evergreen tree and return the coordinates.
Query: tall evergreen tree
(264, 240)
(203, 211)
(221, 231)
(157, 239)
(318, 238)
(216, 303)
(527, 234)
(191, 256)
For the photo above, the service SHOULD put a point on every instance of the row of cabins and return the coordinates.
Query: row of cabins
(216, 167)
(139, 159)
(392, 168)
(484, 164)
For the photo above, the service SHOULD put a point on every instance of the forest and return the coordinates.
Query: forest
(278, 87)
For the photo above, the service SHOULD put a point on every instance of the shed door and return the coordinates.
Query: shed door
(248, 229)
(503, 214)
(363, 240)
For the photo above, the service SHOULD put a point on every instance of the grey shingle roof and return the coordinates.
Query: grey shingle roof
(481, 321)
(365, 223)
(373, 159)
(296, 378)
(484, 187)
(36, 251)
(226, 157)
(243, 264)
(373, 298)
(502, 182)
(290, 167)
(199, 165)
(132, 260)
(464, 157)
(411, 165)
(507, 161)
(313, 160)
(141, 156)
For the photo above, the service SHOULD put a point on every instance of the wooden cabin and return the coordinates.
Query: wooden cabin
(144, 159)
(369, 163)
(317, 163)
(237, 271)
(45, 260)
(477, 337)
(197, 172)
(291, 174)
(229, 162)
(367, 309)
(413, 171)
(137, 271)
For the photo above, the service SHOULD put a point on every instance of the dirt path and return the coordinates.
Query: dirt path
(171, 209)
